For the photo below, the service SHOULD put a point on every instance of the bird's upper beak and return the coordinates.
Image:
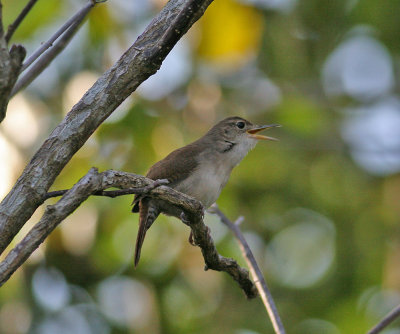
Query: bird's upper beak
(257, 128)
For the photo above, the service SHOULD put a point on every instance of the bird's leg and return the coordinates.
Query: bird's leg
(186, 221)
(191, 240)
(155, 184)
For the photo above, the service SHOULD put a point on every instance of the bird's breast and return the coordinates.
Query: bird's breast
(205, 183)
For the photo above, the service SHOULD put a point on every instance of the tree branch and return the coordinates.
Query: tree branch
(46, 59)
(11, 73)
(13, 26)
(254, 269)
(388, 319)
(139, 62)
(94, 183)
(10, 65)
(114, 193)
(52, 216)
(77, 17)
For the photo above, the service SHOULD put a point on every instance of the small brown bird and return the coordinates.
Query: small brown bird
(200, 169)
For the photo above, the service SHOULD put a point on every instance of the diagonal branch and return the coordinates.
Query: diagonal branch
(13, 26)
(386, 321)
(254, 269)
(139, 62)
(94, 183)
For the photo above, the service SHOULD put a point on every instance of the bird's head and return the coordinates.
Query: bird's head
(236, 136)
(237, 129)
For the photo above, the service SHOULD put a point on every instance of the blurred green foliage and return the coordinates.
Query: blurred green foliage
(321, 206)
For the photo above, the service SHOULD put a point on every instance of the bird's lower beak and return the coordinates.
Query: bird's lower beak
(253, 132)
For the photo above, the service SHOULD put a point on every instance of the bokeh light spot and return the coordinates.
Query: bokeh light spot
(125, 301)
(15, 318)
(373, 133)
(67, 321)
(316, 326)
(50, 289)
(78, 230)
(21, 123)
(10, 165)
(360, 67)
(300, 255)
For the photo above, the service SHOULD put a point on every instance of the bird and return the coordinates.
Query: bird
(200, 169)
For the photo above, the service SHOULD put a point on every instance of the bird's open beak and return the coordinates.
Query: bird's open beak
(257, 128)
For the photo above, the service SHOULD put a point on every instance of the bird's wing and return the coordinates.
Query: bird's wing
(177, 166)
(172, 168)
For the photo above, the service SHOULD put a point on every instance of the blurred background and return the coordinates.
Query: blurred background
(321, 206)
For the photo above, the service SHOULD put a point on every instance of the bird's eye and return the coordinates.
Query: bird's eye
(240, 125)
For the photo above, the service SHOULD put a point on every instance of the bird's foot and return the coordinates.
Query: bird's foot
(191, 239)
(155, 184)
(185, 219)
(193, 242)
(208, 232)
(160, 182)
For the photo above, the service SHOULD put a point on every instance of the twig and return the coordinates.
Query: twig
(47, 57)
(389, 318)
(75, 18)
(254, 269)
(13, 26)
(94, 183)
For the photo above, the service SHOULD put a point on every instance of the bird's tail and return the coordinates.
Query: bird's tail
(139, 240)
(147, 215)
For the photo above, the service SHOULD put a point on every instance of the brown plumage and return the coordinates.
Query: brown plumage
(200, 169)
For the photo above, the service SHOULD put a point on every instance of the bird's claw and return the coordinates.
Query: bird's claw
(160, 182)
(191, 239)
(208, 232)
(184, 219)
